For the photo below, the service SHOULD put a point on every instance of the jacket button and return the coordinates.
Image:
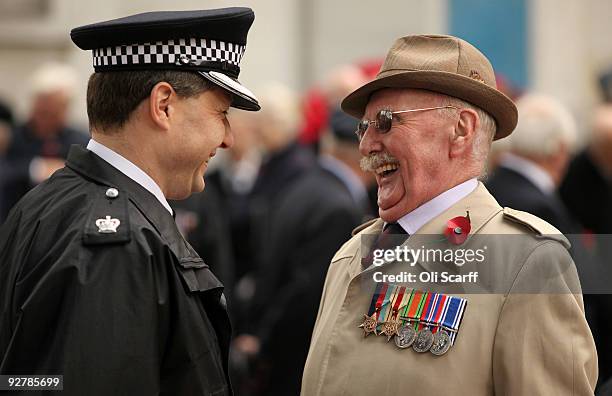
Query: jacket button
(112, 193)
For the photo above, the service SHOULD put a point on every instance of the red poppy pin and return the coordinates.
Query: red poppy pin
(457, 229)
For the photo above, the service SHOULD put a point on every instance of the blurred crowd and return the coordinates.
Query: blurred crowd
(280, 202)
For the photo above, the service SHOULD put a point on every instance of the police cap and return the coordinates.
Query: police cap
(209, 42)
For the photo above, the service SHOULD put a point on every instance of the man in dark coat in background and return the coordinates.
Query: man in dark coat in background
(587, 187)
(96, 282)
(40, 146)
(587, 192)
(340, 159)
(299, 218)
(6, 172)
(531, 170)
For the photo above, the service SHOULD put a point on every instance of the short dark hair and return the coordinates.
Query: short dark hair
(112, 96)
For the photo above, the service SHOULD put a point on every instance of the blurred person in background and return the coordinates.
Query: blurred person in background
(340, 158)
(587, 192)
(299, 218)
(6, 171)
(527, 178)
(587, 187)
(339, 144)
(532, 168)
(322, 99)
(40, 146)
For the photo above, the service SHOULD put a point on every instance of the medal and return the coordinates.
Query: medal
(441, 343)
(386, 308)
(422, 320)
(411, 311)
(452, 316)
(406, 333)
(424, 340)
(433, 308)
(390, 327)
(371, 318)
(405, 336)
(369, 325)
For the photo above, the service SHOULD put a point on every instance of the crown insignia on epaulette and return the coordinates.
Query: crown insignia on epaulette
(107, 225)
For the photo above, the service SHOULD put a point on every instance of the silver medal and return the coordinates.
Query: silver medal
(424, 340)
(406, 336)
(441, 343)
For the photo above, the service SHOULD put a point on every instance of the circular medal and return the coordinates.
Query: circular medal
(423, 341)
(406, 336)
(441, 343)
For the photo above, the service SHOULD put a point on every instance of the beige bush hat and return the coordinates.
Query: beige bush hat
(443, 64)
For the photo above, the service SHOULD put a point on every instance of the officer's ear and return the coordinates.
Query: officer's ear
(464, 133)
(160, 104)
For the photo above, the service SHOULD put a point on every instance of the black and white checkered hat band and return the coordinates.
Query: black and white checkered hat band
(169, 52)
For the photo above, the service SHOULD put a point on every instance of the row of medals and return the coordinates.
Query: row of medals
(406, 336)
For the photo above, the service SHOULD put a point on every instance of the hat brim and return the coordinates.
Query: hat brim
(242, 97)
(495, 103)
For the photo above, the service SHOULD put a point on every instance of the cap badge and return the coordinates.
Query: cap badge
(476, 76)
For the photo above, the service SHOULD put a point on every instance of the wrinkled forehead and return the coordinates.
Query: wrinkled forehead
(401, 99)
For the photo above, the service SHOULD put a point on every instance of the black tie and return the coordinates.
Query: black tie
(393, 228)
(392, 235)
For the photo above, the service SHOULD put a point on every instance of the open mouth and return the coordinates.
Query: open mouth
(387, 169)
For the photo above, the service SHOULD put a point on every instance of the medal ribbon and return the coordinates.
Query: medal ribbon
(437, 311)
(431, 299)
(420, 303)
(385, 308)
(410, 298)
(453, 315)
(377, 297)
(398, 301)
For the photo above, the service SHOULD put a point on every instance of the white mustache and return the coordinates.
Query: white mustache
(374, 160)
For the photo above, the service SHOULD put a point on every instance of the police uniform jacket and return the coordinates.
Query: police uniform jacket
(131, 312)
(512, 341)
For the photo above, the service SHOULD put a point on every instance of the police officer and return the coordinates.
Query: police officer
(427, 122)
(96, 282)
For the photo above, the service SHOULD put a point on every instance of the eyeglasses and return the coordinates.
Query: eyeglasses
(383, 120)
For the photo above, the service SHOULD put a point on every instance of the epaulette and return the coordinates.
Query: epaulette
(108, 220)
(363, 226)
(537, 225)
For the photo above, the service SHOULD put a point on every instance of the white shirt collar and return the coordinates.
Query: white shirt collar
(416, 219)
(529, 170)
(126, 167)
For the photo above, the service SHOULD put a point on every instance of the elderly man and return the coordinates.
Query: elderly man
(96, 282)
(428, 120)
(532, 168)
(40, 146)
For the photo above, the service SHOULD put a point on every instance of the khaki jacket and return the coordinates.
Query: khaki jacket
(513, 340)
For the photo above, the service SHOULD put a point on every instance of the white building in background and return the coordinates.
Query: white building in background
(297, 41)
